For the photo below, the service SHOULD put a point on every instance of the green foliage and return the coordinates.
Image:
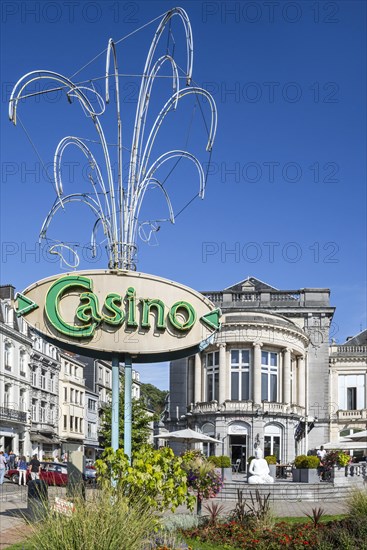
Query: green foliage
(357, 504)
(249, 459)
(214, 510)
(343, 458)
(201, 475)
(156, 477)
(140, 423)
(107, 521)
(336, 458)
(299, 460)
(220, 461)
(271, 459)
(154, 397)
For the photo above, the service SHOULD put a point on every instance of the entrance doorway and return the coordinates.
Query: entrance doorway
(8, 444)
(238, 447)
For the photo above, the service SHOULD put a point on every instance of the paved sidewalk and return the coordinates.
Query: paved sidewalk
(13, 507)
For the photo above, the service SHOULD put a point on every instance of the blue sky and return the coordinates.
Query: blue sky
(286, 197)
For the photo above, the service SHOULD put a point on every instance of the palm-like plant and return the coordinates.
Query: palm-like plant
(118, 213)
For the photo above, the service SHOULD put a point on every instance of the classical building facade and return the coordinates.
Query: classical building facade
(91, 425)
(348, 387)
(15, 378)
(44, 367)
(264, 378)
(72, 403)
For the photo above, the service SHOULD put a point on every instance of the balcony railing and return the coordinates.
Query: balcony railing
(346, 415)
(246, 406)
(13, 415)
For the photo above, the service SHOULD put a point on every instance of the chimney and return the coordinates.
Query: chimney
(7, 292)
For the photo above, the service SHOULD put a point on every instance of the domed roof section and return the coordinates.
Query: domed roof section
(263, 318)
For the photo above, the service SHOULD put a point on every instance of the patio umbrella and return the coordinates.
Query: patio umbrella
(187, 436)
(345, 445)
(359, 436)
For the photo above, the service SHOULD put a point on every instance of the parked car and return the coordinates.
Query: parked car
(90, 474)
(53, 473)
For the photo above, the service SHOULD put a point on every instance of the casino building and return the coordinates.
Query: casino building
(264, 380)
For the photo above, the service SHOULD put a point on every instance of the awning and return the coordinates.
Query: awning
(39, 438)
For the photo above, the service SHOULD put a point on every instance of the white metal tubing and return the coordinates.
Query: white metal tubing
(115, 417)
(128, 407)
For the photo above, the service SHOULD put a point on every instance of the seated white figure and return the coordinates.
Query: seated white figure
(259, 469)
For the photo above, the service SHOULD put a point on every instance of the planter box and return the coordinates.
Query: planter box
(296, 475)
(309, 475)
(305, 475)
(273, 470)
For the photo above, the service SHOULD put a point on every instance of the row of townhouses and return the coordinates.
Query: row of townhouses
(51, 401)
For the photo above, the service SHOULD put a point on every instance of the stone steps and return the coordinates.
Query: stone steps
(286, 491)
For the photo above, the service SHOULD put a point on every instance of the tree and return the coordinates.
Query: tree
(155, 478)
(155, 398)
(141, 420)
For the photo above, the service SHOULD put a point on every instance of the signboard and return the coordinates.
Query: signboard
(113, 313)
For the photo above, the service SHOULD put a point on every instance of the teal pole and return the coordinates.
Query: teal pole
(115, 417)
(128, 406)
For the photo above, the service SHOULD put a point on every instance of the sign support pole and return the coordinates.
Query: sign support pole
(128, 406)
(115, 417)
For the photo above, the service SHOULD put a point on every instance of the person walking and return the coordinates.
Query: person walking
(34, 467)
(11, 460)
(22, 467)
(2, 467)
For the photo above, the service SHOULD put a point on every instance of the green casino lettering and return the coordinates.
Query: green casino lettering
(116, 310)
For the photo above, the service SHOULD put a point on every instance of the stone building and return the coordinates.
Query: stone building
(348, 387)
(264, 378)
(15, 377)
(91, 424)
(44, 369)
(72, 403)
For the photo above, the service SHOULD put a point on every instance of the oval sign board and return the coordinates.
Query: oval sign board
(113, 313)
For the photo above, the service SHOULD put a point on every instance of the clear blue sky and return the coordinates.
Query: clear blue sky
(286, 201)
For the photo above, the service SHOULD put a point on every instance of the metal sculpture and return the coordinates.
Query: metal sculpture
(118, 213)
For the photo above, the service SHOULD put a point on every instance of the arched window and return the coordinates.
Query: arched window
(7, 390)
(273, 441)
(22, 361)
(208, 447)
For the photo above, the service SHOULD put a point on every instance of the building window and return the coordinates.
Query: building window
(240, 374)
(65, 422)
(22, 362)
(352, 399)
(7, 389)
(34, 376)
(43, 379)
(66, 367)
(43, 411)
(212, 375)
(65, 394)
(22, 403)
(272, 441)
(90, 430)
(71, 395)
(100, 374)
(108, 379)
(351, 392)
(51, 415)
(34, 410)
(91, 405)
(81, 398)
(52, 382)
(7, 355)
(72, 423)
(76, 396)
(269, 376)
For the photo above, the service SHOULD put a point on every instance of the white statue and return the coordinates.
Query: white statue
(259, 469)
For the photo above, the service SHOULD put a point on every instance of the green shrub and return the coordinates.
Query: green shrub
(299, 460)
(311, 462)
(107, 521)
(220, 461)
(357, 504)
(271, 459)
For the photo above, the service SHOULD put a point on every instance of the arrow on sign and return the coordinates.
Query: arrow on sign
(25, 305)
(211, 319)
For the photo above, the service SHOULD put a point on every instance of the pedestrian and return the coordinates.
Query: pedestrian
(2, 467)
(11, 460)
(321, 453)
(22, 467)
(34, 467)
(6, 456)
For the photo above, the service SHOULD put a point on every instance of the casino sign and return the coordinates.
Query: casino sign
(115, 313)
